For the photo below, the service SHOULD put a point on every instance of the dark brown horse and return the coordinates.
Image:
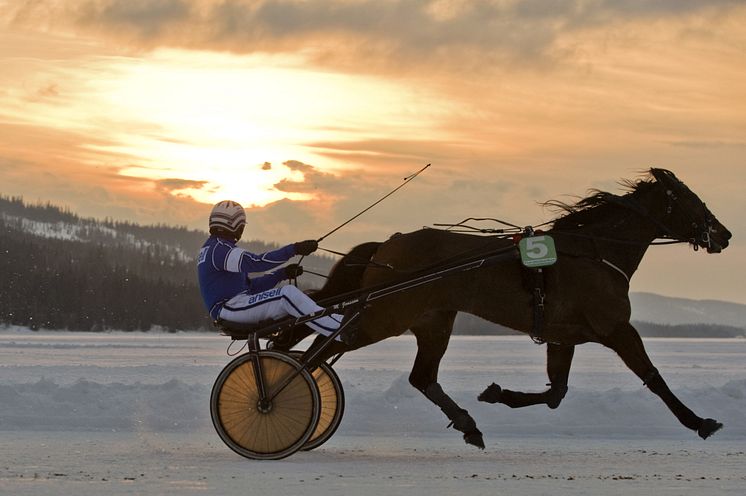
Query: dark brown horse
(600, 242)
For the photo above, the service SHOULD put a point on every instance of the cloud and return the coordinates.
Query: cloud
(175, 184)
(284, 221)
(391, 151)
(708, 144)
(148, 18)
(323, 186)
(50, 90)
(380, 31)
(56, 168)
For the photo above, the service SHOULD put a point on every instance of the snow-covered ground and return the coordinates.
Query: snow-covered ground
(91, 414)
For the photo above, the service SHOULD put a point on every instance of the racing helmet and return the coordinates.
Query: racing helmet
(227, 218)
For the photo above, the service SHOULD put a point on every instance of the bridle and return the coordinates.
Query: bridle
(701, 234)
(699, 237)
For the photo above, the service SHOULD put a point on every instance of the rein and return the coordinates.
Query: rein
(660, 241)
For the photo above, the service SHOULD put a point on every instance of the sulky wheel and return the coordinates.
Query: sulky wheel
(267, 430)
(332, 404)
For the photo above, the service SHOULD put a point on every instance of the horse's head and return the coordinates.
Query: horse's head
(687, 217)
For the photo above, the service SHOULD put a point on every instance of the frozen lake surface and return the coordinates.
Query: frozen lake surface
(129, 414)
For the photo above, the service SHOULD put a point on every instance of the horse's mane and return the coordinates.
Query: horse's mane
(598, 205)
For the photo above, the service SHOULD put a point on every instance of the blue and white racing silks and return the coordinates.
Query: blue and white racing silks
(224, 270)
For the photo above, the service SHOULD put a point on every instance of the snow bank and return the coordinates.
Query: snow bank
(612, 413)
(86, 405)
(57, 382)
(397, 410)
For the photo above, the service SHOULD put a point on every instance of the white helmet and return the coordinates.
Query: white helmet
(227, 215)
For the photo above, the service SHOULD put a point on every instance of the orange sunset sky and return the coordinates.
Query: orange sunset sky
(308, 111)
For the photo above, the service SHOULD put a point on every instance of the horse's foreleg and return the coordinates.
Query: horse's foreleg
(559, 359)
(626, 342)
(433, 335)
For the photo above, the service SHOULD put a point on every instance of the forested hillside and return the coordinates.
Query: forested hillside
(59, 271)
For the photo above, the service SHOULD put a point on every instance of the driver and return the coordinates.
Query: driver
(228, 291)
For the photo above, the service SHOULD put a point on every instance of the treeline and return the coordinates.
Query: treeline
(60, 271)
(650, 330)
(62, 284)
(471, 325)
(43, 212)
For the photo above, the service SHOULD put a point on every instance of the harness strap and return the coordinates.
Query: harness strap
(537, 300)
(616, 268)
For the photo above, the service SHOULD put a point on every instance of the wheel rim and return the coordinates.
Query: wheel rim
(265, 431)
(332, 403)
(328, 397)
(332, 406)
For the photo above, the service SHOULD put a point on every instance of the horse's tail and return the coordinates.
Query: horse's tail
(347, 274)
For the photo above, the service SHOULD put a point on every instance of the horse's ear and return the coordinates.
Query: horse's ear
(663, 176)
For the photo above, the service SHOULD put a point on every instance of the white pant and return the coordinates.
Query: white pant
(275, 304)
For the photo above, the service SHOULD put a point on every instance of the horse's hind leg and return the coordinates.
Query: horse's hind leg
(559, 359)
(626, 342)
(433, 333)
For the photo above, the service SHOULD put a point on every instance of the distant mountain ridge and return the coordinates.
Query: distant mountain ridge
(658, 309)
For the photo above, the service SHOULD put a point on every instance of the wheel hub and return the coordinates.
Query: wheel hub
(264, 406)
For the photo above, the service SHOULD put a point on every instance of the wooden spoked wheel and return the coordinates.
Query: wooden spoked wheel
(332, 404)
(264, 430)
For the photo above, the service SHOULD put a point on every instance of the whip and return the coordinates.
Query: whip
(406, 180)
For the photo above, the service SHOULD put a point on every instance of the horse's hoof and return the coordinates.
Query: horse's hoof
(491, 394)
(708, 428)
(474, 438)
(466, 424)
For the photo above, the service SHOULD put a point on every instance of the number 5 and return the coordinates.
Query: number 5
(535, 247)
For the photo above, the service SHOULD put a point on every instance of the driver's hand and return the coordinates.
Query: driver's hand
(306, 247)
(293, 270)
